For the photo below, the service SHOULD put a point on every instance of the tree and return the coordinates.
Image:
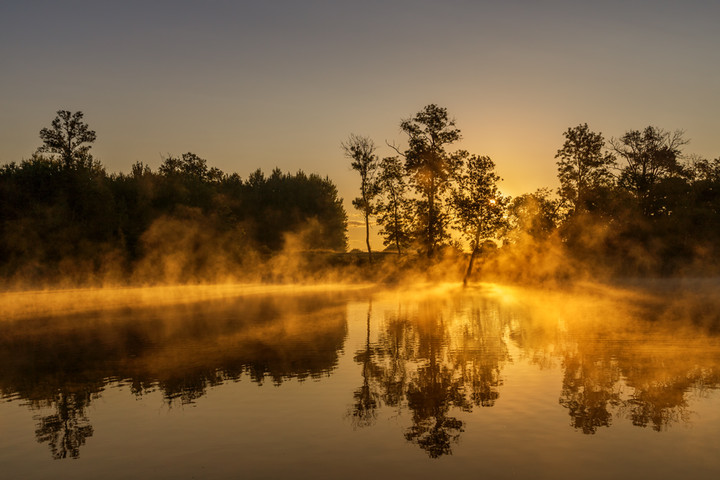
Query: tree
(430, 168)
(69, 137)
(583, 166)
(392, 208)
(284, 203)
(361, 151)
(706, 170)
(479, 207)
(533, 214)
(191, 166)
(651, 155)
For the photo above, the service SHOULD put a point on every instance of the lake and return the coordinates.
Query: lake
(252, 381)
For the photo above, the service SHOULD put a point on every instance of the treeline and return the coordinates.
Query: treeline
(633, 205)
(639, 204)
(65, 218)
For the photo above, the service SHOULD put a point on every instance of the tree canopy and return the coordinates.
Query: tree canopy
(65, 217)
(68, 137)
(430, 168)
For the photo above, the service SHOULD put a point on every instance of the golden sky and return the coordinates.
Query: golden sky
(250, 85)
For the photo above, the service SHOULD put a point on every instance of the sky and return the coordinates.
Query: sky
(265, 84)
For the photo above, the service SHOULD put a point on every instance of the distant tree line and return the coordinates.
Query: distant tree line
(62, 213)
(634, 205)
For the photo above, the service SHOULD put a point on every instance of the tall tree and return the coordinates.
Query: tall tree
(392, 207)
(583, 166)
(651, 155)
(361, 150)
(69, 137)
(430, 168)
(479, 207)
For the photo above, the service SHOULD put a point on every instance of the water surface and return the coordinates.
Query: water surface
(254, 382)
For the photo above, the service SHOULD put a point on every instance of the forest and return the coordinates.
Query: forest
(65, 219)
(636, 205)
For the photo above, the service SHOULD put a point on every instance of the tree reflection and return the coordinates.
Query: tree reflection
(430, 394)
(637, 364)
(430, 359)
(440, 357)
(593, 388)
(364, 409)
(65, 362)
(436, 357)
(590, 391)
(660, 387)
(68, 428)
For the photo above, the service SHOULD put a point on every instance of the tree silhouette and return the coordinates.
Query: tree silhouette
(361, 151)
(583, 166)
(650, 156)
(534, 214)
(430, 168)
(479, 207)
(69, 137)
(393, 208)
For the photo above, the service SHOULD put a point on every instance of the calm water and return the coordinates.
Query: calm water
(334, 383)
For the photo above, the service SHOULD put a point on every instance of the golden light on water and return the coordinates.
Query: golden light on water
(72, 301)
(426, 368)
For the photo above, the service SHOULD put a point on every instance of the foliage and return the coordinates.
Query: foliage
(68, 137)
(284, 203)
(650, 156)
(583, 167)
(65, 217)
(479, 208)
(430, 169)
(536, 215)
(478, 205)
(393, 208)
(361, 151)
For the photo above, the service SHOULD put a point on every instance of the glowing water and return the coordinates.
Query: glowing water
(332, 381)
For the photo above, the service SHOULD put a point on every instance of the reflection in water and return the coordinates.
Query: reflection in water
(438, 355)
(590, 389)
(63, 363)
(625, 355)
(432, 356)
(649, 389)
(67, 429)
(366, 397)
(429, 358)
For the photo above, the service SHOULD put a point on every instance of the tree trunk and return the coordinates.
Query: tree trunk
(397, 227)
(475, 250)
(431, 233)
(367, 235)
